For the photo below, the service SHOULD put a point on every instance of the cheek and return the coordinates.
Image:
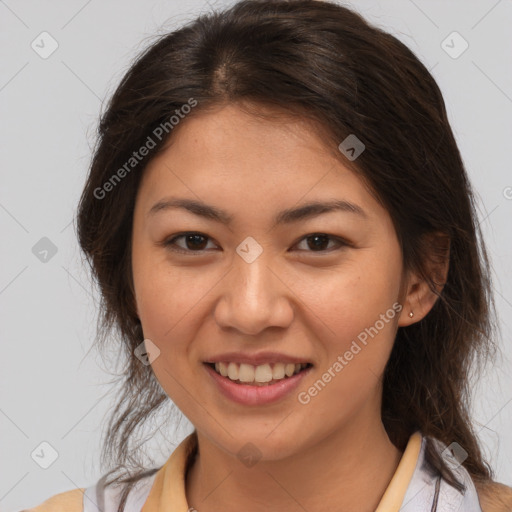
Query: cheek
(165, 295)
(173, 304)
(169, 301)
(353, 313)
(355, 324)
(347, 300)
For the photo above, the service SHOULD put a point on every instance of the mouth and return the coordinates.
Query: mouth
(260, 376)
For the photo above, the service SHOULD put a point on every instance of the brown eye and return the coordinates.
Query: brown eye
(193, 242)
(197, 243)
(319, 242)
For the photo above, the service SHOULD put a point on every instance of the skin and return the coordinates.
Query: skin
(333, 453)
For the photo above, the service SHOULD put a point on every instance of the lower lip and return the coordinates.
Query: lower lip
(256, 395)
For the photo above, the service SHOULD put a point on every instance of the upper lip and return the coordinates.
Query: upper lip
(256, 359)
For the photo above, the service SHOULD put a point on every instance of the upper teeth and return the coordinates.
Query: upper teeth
(263, 373)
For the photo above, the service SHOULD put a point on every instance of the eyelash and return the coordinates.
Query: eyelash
(170, 242)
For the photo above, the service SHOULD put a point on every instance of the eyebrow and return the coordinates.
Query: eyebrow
(288, 216)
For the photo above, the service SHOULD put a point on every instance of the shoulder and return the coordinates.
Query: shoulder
(69, 501)
(428, 489)
(494, 497)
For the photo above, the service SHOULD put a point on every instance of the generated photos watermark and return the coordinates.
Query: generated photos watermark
(156, 136)
(304, 397)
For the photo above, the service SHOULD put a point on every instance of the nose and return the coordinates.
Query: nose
(254, 296)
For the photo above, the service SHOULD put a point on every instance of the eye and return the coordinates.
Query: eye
(197, 242)
(194, 242)
(318, 242)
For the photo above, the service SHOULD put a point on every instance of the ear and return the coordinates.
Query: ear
(423, 286)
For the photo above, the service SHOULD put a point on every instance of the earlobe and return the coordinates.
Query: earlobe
(418, 302)
(424, 288)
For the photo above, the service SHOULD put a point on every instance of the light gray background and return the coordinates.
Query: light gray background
(53, 390)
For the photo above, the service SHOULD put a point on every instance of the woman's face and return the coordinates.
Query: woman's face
(254, 285)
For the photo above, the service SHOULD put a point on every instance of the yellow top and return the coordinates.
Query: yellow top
(168, 489)
(392, 499)
(68, 501)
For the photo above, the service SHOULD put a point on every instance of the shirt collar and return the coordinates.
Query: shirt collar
(168, 489)
(395, 492)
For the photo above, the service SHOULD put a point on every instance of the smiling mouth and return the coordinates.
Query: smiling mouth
(262, 375)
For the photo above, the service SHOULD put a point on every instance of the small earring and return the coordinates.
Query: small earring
(411, 314)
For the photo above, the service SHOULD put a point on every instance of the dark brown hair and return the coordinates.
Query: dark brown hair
(323, 62)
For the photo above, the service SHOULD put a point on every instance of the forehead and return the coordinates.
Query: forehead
(236, 129)
(232, 156)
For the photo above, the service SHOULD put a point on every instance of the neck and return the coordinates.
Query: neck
(347, 470)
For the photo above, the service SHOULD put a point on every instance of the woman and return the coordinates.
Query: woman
(285, 238)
